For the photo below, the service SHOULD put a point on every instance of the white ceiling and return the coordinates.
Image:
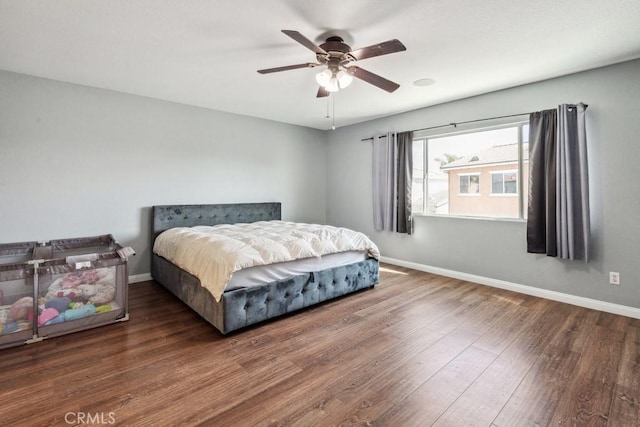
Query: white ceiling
(206, 52)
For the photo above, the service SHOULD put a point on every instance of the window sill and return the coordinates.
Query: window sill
(481, 218)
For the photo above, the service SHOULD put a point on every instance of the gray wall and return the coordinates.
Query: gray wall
(497, 249)
(78, 161)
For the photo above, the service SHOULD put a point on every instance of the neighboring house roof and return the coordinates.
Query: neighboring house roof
(498, 154)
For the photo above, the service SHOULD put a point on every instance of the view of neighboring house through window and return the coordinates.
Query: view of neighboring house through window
(490, 164)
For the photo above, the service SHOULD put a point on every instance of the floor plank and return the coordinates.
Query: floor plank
(547, 380)
(625, 409)
(418, 349)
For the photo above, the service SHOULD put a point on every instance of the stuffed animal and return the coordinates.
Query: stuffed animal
(77, 313)
(103, 308)
(47, 315)
(87, 291)
(60, 304)
(7, 328)
(98, 294)
(22, 309)
(55, 320)
(76, 278)
(56, 291)
(79, 286)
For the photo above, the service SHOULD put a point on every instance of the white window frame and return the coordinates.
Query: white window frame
(424, 138)
(469, 194)
(504, 193)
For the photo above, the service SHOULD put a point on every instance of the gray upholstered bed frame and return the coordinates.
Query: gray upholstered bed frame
(246, 306)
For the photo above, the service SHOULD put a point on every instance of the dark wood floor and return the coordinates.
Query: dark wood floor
(417, 350)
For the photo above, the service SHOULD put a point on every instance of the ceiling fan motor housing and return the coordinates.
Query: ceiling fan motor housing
(338, 52)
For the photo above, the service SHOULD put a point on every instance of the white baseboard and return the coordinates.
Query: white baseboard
(608, 307)
(136, 278)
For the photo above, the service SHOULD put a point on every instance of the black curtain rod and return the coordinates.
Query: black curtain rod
(466, 122)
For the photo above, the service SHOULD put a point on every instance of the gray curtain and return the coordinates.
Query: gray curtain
(392, 177)
(573, 222)
(541, 219)
(558, 210)
(404, 141)
(384, 181)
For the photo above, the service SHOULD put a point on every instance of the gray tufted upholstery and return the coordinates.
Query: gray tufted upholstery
(170, 216)
(243, 307)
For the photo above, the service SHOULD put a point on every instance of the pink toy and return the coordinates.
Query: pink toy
(66, 293)
(47, 315)
(74, 279)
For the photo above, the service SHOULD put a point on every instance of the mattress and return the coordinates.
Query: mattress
(215, 254)
(263, 274)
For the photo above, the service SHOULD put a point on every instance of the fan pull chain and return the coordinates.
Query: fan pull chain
(327, 116)
(333, 124)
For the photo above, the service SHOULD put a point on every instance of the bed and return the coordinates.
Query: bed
(243, 306)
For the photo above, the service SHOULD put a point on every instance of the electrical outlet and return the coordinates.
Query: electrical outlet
(614, 278)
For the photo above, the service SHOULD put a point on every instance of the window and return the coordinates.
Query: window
(490, 164)
(469, 183)
(504, 182)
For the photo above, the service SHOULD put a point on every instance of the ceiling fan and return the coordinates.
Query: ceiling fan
(339, 59)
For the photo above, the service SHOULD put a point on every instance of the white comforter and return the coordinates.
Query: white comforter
(213, 254)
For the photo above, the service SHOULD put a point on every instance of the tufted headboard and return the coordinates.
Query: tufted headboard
(170, 216)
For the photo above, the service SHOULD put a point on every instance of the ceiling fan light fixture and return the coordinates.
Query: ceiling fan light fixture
(344, 78)
(333, 81)
(323, 77)
(333, 85)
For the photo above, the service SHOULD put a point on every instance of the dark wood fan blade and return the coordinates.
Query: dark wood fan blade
(288, 67)
(384, 48)
(322, 92)
(373, 79)
(305, 41)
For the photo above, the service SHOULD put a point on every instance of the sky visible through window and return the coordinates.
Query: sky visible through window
(465, 145)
